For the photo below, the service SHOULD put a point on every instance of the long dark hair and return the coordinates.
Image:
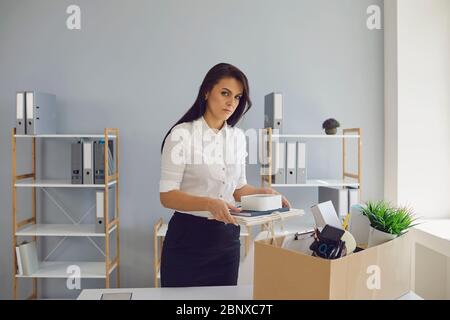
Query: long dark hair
(214, 75)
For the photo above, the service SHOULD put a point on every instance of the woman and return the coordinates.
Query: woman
(203, 170)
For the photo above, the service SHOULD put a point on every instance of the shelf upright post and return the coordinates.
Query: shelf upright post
(14, 211)
(117, 215)
(33, 194)
(106, 207)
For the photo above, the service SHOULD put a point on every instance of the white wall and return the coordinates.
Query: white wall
(418, 105)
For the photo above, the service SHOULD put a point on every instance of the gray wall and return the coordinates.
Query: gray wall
(137, 66)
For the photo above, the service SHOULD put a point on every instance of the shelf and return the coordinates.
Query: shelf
(317, 136)
(58, 269)
(65, 136)
(44, 183)
(320, 183)
(61, 230)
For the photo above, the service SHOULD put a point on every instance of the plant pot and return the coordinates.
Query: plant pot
(377, 237)
(331, 131)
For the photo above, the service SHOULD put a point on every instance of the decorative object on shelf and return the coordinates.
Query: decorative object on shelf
(387, 222)
(331, 126)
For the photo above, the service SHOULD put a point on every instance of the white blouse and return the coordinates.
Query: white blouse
(199, 161)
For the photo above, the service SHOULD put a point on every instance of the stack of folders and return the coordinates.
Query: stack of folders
(27, 260)
(289, 162)
(35, 113)
(342, 198)
(88, 161)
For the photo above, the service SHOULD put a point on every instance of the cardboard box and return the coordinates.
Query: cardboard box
(381, 272)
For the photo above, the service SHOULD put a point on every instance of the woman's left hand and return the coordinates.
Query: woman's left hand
(284, 201)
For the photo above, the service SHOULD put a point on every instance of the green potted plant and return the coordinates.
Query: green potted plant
(331, 126)
(387, 222)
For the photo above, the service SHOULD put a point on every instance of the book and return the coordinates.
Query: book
(252, 213)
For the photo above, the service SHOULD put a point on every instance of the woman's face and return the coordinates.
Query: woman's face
(224, 98)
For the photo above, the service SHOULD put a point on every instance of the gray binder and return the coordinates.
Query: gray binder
(88, 163)
(99, 160)
(76, 163)
(40, 113)
(279, 162)
(301, 163)
(291, 163)
(273, 111)
(20, 113)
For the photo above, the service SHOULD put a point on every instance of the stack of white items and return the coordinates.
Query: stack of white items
(27, 260)
(263, 208)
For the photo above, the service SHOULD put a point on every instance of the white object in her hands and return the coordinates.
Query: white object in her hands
(261, 202)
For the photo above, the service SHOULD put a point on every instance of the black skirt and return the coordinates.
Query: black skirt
(199, 252)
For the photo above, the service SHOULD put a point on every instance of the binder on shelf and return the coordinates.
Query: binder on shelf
(273, 111)
(20, 113)
(99, 204)
(19, 262)
(279, 162)
(339, 198)
(301, 162)
(291, 163)
(28, 256)
(76, 162)
(99, 161)
(40, 113)
(88, 173)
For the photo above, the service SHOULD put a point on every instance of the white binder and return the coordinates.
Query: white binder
(291, 170)
(20, 113)
(99, 201)
(279, 162)
(301, 162)
(88, 163)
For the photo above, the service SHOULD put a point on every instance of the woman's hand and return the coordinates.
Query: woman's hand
(220, 210)
(284, 201)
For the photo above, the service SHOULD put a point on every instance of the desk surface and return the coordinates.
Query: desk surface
(192, 293)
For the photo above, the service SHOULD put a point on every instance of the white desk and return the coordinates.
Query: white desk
(190, 293)
(193, 293)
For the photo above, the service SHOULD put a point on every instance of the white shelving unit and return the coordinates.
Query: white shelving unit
(30, 228)
(348, 180)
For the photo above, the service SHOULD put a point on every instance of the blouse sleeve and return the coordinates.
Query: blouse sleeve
(173, 161)
(242, 152)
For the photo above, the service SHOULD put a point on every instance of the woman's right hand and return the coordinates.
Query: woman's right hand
(221, 210)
